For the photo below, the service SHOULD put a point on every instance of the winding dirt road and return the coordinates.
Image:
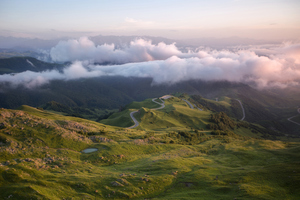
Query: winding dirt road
(192, 107)
(242, 109)
(136, 123)
(162, 104)
(290, 119)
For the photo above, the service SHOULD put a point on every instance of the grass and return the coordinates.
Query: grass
(41, 158)
(53, 115)
(248, 133)
(223, 101)
(121, 119)
(175, 114)
(148, 103)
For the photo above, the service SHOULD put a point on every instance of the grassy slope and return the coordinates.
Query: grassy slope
(224, 101)
(171, 116)
(224, 104)
(148, 103)
(175, 114)
(140, 164)
(123, 119)
(86, 113)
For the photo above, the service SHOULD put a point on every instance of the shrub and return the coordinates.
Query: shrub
(221, 122)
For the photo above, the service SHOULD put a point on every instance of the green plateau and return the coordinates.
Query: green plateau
(175, 152)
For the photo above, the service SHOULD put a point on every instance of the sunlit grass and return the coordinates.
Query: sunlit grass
(44, 160)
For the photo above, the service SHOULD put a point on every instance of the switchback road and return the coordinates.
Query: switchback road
(136, 123)
(242, 110)
(290, 119)
(192, 107)
(162, 104)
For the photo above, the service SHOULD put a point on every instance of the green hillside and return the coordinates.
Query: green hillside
(21, 64)
(148, 103)
(175, 153)
(120, 119)
(175, 114)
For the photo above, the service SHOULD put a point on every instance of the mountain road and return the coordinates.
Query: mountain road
(242, 109)
(162, 105)
(290, 119)
(136, 123)
(192, 107)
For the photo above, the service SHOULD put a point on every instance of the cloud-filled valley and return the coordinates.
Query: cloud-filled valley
(166, 64)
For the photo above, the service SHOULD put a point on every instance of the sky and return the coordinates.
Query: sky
(175, 19)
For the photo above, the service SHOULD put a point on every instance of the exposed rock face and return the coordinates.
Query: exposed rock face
(121, 156)
(100, 139)
(117, 184)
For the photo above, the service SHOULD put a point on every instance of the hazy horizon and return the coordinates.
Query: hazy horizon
(265, 20)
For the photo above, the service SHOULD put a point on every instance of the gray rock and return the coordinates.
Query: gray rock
(117, 184)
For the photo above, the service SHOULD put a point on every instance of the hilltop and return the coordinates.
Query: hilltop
(177, 113)
(175, 152)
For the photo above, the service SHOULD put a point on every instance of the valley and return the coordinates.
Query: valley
(174, 152)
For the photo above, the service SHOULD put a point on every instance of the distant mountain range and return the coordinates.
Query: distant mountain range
(36, 43)
(21, 64)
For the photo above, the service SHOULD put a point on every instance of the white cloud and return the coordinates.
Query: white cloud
(240, 67)
(84, 49)
(167, 65)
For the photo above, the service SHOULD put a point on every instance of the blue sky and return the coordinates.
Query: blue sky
(168, 18)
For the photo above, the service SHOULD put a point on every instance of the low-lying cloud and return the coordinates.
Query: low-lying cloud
(165, 64)
(84, 49)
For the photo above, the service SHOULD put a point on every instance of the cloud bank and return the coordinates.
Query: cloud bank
(84, 49)
(166, 64)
